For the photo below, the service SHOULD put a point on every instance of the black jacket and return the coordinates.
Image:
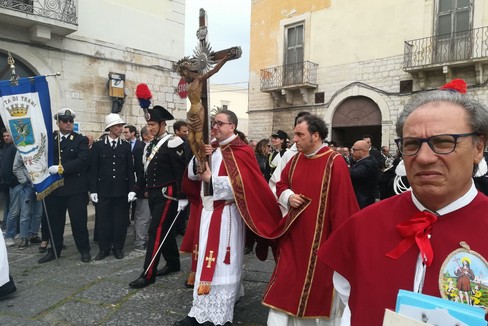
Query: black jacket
(166, 167)
(74, 159)
(364, 176)
(111, 170)
(7, 163)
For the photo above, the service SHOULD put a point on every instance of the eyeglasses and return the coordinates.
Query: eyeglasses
(356, 149)
(219, 123)
(64, 120)
(440, 144)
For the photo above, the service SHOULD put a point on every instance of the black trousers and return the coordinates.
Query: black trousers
(163, 212)
(112, 222)
(76, 206)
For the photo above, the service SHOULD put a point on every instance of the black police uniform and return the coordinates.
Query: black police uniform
(112, 178)
(164, 174)
(73, 195)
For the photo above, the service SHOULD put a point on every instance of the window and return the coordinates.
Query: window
(453, 23)
(293, 69)
(453, 16)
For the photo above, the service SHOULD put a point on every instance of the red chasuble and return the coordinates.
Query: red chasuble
(358, 249)
(301, 285)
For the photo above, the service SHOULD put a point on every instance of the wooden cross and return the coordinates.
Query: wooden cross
(195, 252)
(204, 58)
(214, 56)
(210, 259)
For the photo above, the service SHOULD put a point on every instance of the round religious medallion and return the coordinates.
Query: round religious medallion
(464, 277)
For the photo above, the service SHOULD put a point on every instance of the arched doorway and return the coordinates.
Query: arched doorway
(355, 117)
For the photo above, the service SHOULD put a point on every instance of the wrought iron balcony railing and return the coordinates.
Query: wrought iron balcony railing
(301, 74)
(61, 10)
(447, 48)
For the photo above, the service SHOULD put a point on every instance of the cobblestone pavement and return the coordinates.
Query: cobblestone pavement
(97, 293)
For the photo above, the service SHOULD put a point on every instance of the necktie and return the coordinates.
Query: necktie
(113, 144)
(416, 230)
(63, 138)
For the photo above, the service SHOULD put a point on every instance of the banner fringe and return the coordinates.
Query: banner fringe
(48, 190)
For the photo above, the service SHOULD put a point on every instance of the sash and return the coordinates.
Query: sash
(155, 150)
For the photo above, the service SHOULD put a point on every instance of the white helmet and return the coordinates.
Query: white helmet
(113, 119)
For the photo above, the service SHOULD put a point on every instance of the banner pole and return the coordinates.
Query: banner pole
(50, 232)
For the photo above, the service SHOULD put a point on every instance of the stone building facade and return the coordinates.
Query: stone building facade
(357, 63)
(94, 42)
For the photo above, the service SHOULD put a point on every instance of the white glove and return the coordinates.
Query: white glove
(182, 203)
(94, 197)
(131, 196)
(53, 169)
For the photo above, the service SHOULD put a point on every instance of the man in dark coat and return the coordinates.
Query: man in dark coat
(164, 169)
(73, 149)
(364, 174)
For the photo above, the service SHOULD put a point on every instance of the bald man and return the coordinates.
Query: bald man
(364, 174)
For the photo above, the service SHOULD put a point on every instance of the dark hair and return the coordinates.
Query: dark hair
(231, 116)
(178, 124)
(131, 128)
(260, 146)
(368, 136)
(300, 114)
(242, 136)
(315, 124)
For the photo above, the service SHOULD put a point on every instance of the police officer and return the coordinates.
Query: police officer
(111, 183)
(164, 167)
(73, 149)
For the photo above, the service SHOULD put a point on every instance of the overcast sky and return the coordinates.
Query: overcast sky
(228, 25)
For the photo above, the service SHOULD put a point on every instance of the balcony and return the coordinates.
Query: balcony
(461, 49)
(287, 79)
(41, 17)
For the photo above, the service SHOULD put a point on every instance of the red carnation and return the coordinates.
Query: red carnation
(456, 85)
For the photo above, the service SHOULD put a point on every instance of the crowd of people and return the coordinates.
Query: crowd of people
(329, 215)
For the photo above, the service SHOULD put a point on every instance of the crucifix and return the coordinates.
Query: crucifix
(210, 259)
(196, 71)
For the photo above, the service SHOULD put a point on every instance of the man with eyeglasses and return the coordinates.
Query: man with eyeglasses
(238, 193)
(409, 241)
(72, 197)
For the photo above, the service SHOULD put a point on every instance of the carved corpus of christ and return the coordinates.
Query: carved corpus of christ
(196, 70)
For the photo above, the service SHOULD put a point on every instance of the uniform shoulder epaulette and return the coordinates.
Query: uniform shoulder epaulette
(174, 141)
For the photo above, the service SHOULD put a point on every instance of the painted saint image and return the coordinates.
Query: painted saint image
(464, 278)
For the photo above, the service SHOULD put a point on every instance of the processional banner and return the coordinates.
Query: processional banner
(25, 109)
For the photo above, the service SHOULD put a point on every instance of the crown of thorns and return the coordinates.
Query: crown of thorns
(185, 63)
